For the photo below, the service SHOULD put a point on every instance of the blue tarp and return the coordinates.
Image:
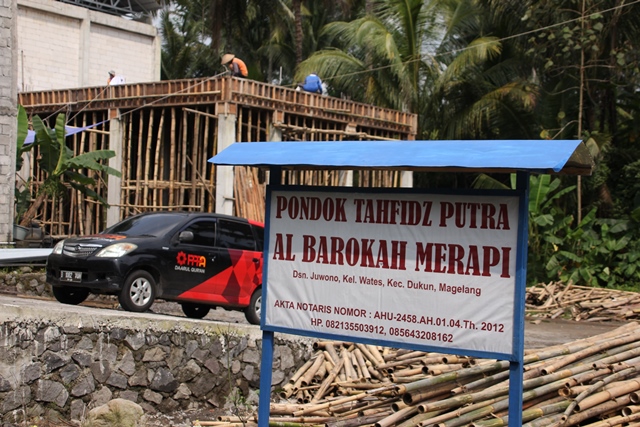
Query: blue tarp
(543, 156)
(69, 130)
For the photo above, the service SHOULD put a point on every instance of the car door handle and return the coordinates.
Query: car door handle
(256, 260)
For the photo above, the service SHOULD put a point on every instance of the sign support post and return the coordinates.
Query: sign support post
(266, 362)
(516, 367)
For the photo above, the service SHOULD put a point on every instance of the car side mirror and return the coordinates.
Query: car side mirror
(185, 236)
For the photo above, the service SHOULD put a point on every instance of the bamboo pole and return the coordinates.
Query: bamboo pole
(361, 362)
(583, 395)
(436, 417)
(452, 376)
(138, 155)
(327, 405)
(327, 382)
(182, 154)
(308, 376)
(596, 410)
(397, 416)
(527, 415)
(147, 159)
(617, 421)
(603, 396)
(157, 166)
(172, 158)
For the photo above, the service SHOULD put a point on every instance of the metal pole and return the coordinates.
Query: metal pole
(516, 364)
(266, 363)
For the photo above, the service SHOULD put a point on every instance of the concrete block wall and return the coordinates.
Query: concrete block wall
(64, 46)
(8, 112)
(49, 55)
(128, 54)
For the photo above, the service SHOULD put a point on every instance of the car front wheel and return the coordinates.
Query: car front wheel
(138, 292)
(195, 311)
(69, 295)
(252, 312)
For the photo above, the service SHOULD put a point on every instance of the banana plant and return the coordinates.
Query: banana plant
(61, 168)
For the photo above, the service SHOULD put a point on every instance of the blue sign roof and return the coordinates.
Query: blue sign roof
(541, 156)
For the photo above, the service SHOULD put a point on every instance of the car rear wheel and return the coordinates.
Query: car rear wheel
(195, 311)
(69, 295)
(138, 292)
(252, 312)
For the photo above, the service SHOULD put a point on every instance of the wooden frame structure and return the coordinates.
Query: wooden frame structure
(166, 131)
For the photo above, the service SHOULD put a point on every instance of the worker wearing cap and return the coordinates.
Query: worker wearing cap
(237, 66)
(115, 79)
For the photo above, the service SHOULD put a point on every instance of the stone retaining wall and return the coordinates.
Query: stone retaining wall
(65, 360)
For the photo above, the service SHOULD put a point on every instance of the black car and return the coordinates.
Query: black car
(200, 260)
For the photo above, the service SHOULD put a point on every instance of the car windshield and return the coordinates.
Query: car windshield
(145, 225)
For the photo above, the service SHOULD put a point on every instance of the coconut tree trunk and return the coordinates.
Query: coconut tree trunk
(297, 15)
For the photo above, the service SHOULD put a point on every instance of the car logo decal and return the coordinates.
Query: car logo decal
(181, 259)
(190, 262)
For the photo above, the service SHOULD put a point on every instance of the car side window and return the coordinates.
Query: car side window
(259, 231)
(204, 233)
(235, 235)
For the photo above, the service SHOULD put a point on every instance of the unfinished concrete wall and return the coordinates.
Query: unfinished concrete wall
(8, 104)
(65, 46)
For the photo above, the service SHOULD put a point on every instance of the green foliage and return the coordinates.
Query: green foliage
(378, 57)
(22, 193)
(61, 167)
(547, 223)
(22, 200)
(23, 130)
(596, 252)
(599, 252)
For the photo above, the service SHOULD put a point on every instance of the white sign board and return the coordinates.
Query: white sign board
(423, 269)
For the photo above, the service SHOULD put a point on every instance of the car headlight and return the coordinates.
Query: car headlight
(116, 250)
(57, 249)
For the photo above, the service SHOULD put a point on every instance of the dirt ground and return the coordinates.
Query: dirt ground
(538, 332)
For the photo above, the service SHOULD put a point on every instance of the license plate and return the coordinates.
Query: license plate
(71, 276)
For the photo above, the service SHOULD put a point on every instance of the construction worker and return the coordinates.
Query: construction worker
(312, 83)
(237, 66)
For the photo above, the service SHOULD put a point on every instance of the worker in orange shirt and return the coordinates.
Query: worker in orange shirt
(237, 66)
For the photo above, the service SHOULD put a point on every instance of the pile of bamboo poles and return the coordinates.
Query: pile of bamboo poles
(578, 303)
(592, 382)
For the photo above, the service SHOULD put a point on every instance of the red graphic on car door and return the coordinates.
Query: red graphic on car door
(234, 284)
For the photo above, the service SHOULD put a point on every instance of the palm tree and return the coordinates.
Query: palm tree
(587, 62)
(380, 58)
(295, 36)
(487, 89)
(186, 41)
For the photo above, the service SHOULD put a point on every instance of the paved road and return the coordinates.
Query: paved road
(538, 333)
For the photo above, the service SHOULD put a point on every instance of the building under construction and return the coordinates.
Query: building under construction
(165, 132)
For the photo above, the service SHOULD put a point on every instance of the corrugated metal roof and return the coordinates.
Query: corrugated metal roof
(569, 157)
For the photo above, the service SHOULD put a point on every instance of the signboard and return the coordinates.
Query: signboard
(435, 270)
